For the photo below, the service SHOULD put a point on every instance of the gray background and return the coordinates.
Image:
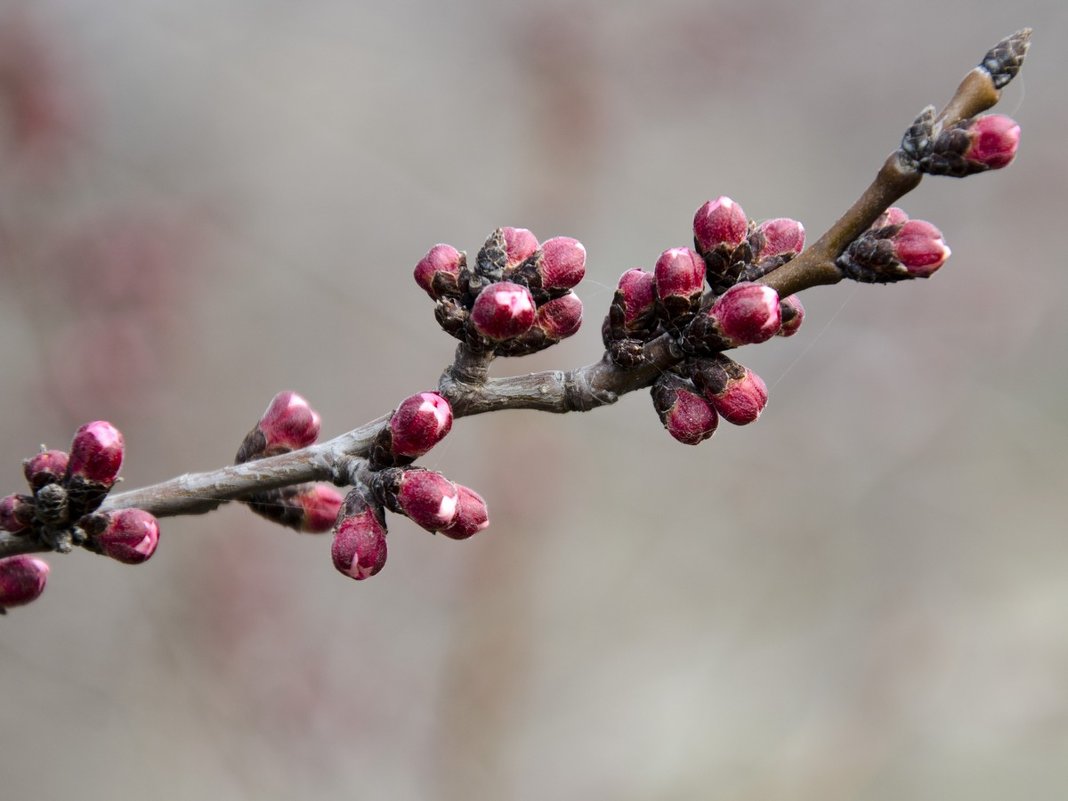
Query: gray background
(863, 596)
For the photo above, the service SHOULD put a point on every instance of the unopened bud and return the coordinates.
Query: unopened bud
(438, 272)
(126, 535)
(46, 467)
(780, 237)
(719, 223)
(680, 280)
(736, 392)
(16, 513)
(919, 247)
(686, 415)
(319, 504)
(892, 216)
(793, 314)
(638, 290)
(519, 245)
(419, 423)
(502, 311)
(975, 145)
(96, 453)
(912, 249)
(22, 579)
(289, 423)
(562, 264)
(472, 516)
(425, 497)
(359, 547)
(747, 314)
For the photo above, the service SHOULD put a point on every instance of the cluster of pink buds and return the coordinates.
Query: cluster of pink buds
(516, 298)
(894, 248)
(426, 497)
(731, 253)
(60, 511)
(289, 424)
(387, 481)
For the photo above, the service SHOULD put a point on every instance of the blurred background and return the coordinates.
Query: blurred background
(863, 596)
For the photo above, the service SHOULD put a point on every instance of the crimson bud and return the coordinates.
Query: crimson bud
(686, 415)
(471, 515)
(96, 453)
(22, 579)
(438, 271)
(419, 423)
(359, 547)
(503, 310)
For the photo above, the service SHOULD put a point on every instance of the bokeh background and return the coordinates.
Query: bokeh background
(864, 596)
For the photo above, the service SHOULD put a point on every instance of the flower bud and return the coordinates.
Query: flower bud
(359, 547)
(562, 264)
(638, 290)
(471, 515)
(719, 223)
(419, 423)
(975, 145)
(319, 505)
(438, 272)
(892, 216)
(502, 311)
(129, 536)
(560, 317)
(994, 141)
(736, 392)
(22, 579)
(425, 497)
(919, 247)
(288, 424)
(96, 453)
(747, 314)
(519, 245)
(793, 314)
(46, 467)
(780, 237)
(680, 280)
(686, 415)
(16, 513)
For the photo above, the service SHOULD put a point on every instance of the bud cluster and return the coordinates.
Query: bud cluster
(731, 252)
(516, 298)
(358, 519)
(60, 511)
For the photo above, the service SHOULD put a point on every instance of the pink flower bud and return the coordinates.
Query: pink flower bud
(288, 424)
(319, 504)
(359, 547)
(16, 513)
(793, 314)
(747, 313)
(519, 245)
(503, 310)
(419, 423)
(919, 247)
(563, 262)
(680, 280)
(736, 392)
(892, 216)
(781, 236)
(44, 468)
(425, 497)
(638, 288)
(719, 222)
(686, 415)
(22, 579)
(994, 139)
(472, 516)
(560, 317)
(96, 453)
(439, 270)
(129, 536)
